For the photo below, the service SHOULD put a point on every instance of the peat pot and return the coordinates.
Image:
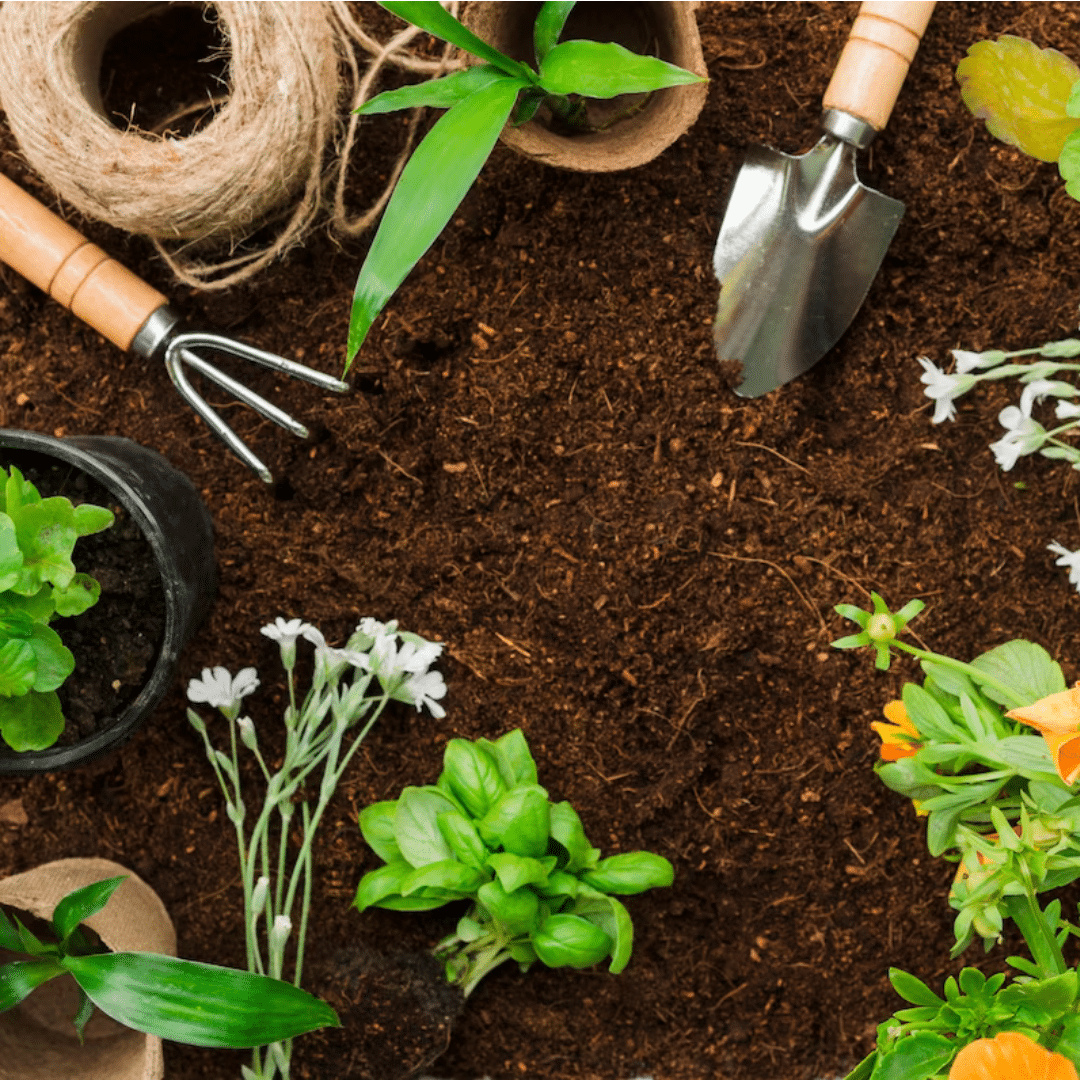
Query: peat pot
(636, 127)
(37, 1037)
(167, 522)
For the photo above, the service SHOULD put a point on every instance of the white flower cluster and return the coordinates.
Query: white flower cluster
(401, 661)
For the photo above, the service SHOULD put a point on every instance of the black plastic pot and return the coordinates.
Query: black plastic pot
(164, 504)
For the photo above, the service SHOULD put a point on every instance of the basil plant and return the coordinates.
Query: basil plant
(38, 582)
(487, 832)
(182, 1000)
(479, 102)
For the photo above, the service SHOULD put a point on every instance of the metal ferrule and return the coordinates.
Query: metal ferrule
(848, 128)
(153, 335)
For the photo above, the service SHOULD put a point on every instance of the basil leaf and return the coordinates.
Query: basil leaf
(515, 761)
(515, 912)
(198, 1004)
(377, 827)
(513, 871)
(570, 941)
(567, 829)
(610, 915)
(519, 822)
(416, 826)
(450, 876)
(460, 833)
(378, 884)
(473, 776)
(630, 873)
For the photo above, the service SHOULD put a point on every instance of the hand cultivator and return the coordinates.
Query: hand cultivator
(135, 316)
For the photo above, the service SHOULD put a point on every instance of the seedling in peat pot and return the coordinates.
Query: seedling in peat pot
(479, 102)
(487, 832)
(38, 582)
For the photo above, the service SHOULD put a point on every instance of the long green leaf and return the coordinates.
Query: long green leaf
(431, 16)
(198, 1004)
(79, 905)
(602, 69)
(430, 189)
(21, 977)
(549, 26)
(435, 93)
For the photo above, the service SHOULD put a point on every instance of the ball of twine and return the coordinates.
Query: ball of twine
(262, 153)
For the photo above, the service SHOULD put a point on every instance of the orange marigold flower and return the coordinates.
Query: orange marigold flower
(900, 737)
(1057, 719)
(1010, 1056)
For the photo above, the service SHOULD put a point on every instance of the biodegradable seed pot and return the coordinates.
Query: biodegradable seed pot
(116, 685)
(37, 1037)
(622, 132)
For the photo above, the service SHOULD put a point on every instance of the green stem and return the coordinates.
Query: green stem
(976, 674)
(1026, 913)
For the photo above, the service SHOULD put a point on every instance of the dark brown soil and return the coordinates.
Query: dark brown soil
(542, 466)
(115, 643)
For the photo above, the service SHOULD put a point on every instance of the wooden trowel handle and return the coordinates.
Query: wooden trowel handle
(876, 58)
(62, 262)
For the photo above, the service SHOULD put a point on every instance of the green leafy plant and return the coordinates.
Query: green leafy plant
(479, 102)
(487, 832)
(1029, 98)
(1000, 801)
(38, 582)
(181, 1000)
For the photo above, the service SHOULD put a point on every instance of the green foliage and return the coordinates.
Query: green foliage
(182, 1000)
(38, 582)
(480, 101)
(487, 832)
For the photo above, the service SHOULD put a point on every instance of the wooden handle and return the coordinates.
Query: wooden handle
(62, 262)
(876, 58)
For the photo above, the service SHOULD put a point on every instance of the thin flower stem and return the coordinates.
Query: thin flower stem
(958, 665)
(305, 907)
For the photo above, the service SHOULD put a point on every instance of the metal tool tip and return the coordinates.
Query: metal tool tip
(266, 475)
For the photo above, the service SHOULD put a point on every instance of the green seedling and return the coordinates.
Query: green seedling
(38, 582)
(182, 1000)
(479, 102)
(487, 832)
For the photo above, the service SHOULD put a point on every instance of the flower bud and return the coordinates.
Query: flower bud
(279, 933)
(247, 732)
(881, 627)
(258, 896)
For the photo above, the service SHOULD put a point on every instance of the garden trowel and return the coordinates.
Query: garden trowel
(802, 238)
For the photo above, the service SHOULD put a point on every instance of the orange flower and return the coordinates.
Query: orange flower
(1057, 719)
(1010, 1056)
(900, 737)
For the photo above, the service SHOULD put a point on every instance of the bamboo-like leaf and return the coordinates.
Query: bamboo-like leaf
(435, 93)
(21, 978)
(79, 905)
(198, 1004)
(431, 16)
(431, 187)
(549, 26)
(602, 69)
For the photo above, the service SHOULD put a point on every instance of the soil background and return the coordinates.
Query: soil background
(543, 466)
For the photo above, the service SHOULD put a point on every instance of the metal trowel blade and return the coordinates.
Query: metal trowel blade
(801, 241)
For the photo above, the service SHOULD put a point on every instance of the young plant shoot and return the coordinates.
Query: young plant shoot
(488, 833)
(480, 101)
(378, 664)
(1000, 802)
(38, 582)
(182, 1000)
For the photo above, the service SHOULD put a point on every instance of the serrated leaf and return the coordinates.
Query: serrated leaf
(1026, 668)
(18, 668)
(917, 1056)
(90, 519)
(1022, 92)
(604, 69)
(31, 722)
(11, 558)
(929, 718)
(81, 594)
(46, 532)
(53, 660)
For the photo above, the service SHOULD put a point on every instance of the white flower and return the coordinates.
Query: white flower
(416, 657)
(285, 633)
(1070, 559)
(966, 362)
(943, 389)
(1036, 390)
(220, 690)
(421, 690)
(1022, 436)
(313, 634)
(1066, 410)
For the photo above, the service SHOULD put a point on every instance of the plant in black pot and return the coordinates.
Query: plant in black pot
(86, 657)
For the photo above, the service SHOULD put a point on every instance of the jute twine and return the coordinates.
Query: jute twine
(264, 154)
